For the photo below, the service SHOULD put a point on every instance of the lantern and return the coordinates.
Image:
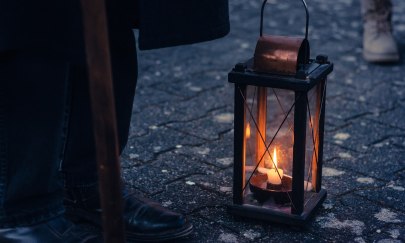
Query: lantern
(278, 133)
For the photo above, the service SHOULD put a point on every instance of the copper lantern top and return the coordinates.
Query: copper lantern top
(281, 54)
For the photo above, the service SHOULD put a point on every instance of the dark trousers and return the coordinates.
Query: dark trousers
(46, 137)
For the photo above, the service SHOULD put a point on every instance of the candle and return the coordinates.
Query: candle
(262, 170)
(274, 175)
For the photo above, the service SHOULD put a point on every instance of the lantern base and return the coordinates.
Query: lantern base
(262, 190)
(280, 216)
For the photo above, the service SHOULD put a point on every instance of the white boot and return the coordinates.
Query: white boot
(378, 42)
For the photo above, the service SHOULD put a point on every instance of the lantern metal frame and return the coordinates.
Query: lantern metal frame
(312, 74)
(281, 63)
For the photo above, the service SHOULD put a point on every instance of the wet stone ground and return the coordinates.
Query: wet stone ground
(180, 150)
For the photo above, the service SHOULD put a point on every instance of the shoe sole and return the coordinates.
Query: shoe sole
(162, 237)
(80, 216)
(380, 58)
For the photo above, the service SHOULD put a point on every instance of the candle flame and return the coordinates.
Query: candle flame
(247, 133)
(275, 158)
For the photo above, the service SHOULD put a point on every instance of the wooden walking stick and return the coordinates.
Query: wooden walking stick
(104, 118)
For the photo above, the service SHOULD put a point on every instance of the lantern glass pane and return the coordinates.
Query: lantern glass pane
(311, 150)
(269, 139)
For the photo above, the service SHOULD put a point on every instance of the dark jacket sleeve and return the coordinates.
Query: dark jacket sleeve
(56, 27)
(164, 23)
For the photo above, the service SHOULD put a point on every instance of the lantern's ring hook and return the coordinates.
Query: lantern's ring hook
(306, 12)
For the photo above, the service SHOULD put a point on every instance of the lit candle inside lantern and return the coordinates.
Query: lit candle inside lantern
(262, 170)
(274, 175)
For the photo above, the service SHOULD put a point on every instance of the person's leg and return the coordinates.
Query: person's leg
(79, 157)
(33, 97)
(32, 102)
(144, 220)
(378, 42)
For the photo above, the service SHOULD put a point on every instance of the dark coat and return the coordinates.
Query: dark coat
(56, 25)
(166, 23)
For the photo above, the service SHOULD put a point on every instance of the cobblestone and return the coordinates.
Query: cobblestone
(181, 141)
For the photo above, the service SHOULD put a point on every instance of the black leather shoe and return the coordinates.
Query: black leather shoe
(145, 221)
(53, 231)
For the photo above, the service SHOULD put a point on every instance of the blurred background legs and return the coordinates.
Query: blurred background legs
(379, 45)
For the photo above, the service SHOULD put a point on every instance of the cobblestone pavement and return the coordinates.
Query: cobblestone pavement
(180, 150)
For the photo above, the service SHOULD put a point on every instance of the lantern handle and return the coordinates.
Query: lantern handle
(306, 12)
